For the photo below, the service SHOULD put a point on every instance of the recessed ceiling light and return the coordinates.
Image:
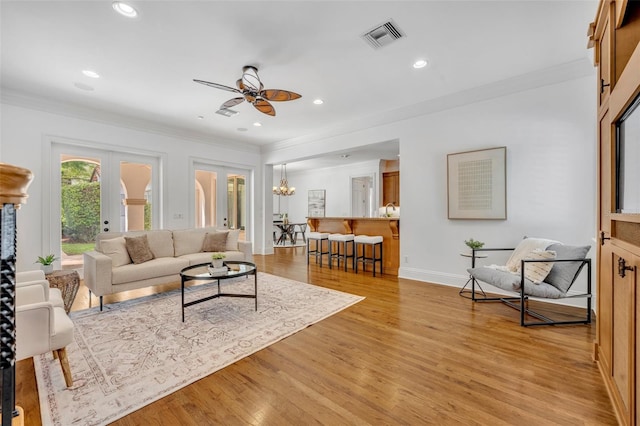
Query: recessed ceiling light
(318, 101)
(420, 63)
(257, 124)
(200, 117)
(91, 74)
(124, 9)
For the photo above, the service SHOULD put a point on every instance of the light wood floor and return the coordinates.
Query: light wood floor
(410, 353)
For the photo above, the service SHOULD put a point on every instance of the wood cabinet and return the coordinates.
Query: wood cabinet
(615, 36)
(391, 188)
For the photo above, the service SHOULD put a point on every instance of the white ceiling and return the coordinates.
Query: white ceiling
(310, 47)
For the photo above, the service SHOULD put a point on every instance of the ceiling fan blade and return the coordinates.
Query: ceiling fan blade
(250, 79)
(265, 107)
(278, 95)
(231, 103)
(218, 86)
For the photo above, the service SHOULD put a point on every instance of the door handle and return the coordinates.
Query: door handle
(603, 238)
(623, 268)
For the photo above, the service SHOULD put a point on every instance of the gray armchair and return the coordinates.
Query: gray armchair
(545, 273)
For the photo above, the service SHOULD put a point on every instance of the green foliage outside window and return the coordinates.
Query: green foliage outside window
(81, 211)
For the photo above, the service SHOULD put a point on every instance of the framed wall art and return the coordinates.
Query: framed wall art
(477, 184)
(316, 202)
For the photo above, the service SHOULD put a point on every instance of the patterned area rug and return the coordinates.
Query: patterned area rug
(138, 351)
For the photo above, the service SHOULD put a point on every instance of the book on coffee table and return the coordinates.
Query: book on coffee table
(218, 271)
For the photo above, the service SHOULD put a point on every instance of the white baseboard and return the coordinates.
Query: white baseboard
(457, 280)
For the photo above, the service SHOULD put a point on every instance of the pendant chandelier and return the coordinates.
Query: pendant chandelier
(284, 188)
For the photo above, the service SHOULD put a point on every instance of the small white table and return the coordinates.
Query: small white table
(471, 279)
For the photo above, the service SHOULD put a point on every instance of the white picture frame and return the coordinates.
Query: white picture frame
(477, 184)
(316, 202)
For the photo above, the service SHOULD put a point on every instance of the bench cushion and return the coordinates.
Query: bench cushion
(511, 282)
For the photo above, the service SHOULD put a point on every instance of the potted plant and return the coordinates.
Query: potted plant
(46, 263)
(217, 259)
(473, 244)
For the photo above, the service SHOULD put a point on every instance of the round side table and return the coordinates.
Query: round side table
(68, 281)
(471, 279)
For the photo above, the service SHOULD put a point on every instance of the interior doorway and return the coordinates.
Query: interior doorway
(220, 197)
(362, 196)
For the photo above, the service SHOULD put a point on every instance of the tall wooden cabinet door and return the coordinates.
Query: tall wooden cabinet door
(623, 349)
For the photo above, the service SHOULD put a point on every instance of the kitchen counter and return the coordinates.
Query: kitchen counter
(387, 227)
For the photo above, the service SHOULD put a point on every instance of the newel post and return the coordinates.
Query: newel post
(14, 182)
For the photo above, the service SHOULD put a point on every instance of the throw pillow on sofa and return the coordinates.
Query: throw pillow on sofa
(116, 249)
(215, 241)
(138, 248)
(232, 239)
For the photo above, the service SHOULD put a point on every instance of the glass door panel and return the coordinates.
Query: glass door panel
(98, 191)
(220, 198)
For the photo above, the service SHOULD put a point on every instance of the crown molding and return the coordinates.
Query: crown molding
(545, 77)
(21, 99)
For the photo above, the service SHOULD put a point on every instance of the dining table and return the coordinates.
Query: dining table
(287, 232)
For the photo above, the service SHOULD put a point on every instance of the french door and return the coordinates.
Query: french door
(220, 197)
(95, 191)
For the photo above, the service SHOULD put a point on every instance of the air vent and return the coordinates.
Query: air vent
(383, 34)
(227, 112)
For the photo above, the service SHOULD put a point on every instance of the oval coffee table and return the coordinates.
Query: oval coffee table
(201, 273)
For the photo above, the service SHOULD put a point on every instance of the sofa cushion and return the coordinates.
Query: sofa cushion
(215, 241)
(198, 258)
(138, 248)
(562, 274)
(116, 249)
(232, 239)
(161, 242)
(152, 269)
(188, 241)
(511, 282)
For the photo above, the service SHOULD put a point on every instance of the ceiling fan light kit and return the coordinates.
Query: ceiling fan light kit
(252, 91)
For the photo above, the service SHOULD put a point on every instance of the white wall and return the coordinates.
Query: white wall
(549, 133)
(25, 135)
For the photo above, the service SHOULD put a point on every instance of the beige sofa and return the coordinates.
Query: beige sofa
(109, 268)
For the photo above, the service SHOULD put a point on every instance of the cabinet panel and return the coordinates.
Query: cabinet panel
(391, 188)
(623, 330)
(605, 313)
(604, 170)
(604, 70)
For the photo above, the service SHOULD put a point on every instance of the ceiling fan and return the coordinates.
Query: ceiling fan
(253, 91)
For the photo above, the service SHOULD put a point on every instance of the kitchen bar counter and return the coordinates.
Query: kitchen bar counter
(387, 227)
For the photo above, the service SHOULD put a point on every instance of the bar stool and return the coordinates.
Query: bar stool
(342, 240)
(365, 241)
(319, 238)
